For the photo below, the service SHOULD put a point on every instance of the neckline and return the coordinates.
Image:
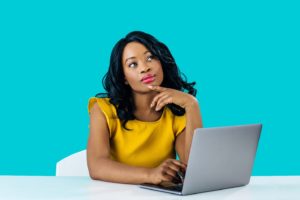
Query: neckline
(158, 120)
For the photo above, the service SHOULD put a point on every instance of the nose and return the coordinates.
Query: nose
(144, 68)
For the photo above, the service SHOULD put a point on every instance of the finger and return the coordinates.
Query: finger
(156, 98)
(170, 172)
(182, 163)
(172, 160)
(173, 171)
(163, 96)
(156, 88)
(160, 98)
(162, 102)
(185, 165)
(167, 177)
(179, 163)
(174, 167)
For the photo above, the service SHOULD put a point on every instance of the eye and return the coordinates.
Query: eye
(133, 64)
(149, 58)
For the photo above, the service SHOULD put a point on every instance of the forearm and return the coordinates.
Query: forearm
(193, 121)
(109, 170)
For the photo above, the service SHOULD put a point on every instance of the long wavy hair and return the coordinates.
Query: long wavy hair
(120, 94)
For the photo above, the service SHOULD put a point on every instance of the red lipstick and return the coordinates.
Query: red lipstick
(148, 78)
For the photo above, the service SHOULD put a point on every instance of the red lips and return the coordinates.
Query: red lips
(148, 76)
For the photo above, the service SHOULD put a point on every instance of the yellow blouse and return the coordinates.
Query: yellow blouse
(148, 143)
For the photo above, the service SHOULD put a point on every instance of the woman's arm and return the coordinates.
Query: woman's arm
(100, 166)
(183, 141)
(193, 118)
(193, 121)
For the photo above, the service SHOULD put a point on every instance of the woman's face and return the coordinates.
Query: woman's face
(140, 67)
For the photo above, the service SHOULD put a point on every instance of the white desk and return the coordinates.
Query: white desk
(82, 188)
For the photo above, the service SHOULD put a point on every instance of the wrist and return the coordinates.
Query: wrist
(191, 103)
(148, 172)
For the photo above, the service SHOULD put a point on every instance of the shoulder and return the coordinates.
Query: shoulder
(103, 104)
(178, 122)
(96, 102)
(102, 108)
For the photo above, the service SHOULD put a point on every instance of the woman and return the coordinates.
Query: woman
(145, 118)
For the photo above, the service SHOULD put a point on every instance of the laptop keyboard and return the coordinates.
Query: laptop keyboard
(172, 186)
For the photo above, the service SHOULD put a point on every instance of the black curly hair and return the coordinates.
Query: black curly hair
(120, 93)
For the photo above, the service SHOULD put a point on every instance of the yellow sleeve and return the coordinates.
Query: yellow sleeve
(107, 109)
(179, 124)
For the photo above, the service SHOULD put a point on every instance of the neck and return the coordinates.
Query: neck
(143, 111)
(143, 100)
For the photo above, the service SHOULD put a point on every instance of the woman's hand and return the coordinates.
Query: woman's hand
(166, 171)
(168, 96)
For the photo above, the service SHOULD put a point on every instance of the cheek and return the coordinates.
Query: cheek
(160, 72)
(131, 78)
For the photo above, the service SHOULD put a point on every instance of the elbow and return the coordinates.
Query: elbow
(92, 174)
(93, 177)
(96, 175)
(97, 170)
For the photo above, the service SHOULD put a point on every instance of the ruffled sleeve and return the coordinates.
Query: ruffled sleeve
(179, 124)
(108, 110)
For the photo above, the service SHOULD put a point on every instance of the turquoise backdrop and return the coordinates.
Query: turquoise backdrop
(244, 56)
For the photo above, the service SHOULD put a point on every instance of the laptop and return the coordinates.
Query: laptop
(220, 158)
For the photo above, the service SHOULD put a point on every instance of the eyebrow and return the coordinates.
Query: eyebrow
(134, 57)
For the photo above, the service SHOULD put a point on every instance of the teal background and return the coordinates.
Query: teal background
(244, 56)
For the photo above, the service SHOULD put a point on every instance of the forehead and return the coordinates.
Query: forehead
(133, 49)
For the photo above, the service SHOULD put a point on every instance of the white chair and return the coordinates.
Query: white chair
(73, 165)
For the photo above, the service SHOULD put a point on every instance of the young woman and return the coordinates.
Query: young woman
(148, 115)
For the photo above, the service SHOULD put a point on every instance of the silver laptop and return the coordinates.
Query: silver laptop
(220, 158)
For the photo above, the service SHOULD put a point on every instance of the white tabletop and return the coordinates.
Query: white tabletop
(82, 188)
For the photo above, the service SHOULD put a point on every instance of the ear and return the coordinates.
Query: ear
(126, 82)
